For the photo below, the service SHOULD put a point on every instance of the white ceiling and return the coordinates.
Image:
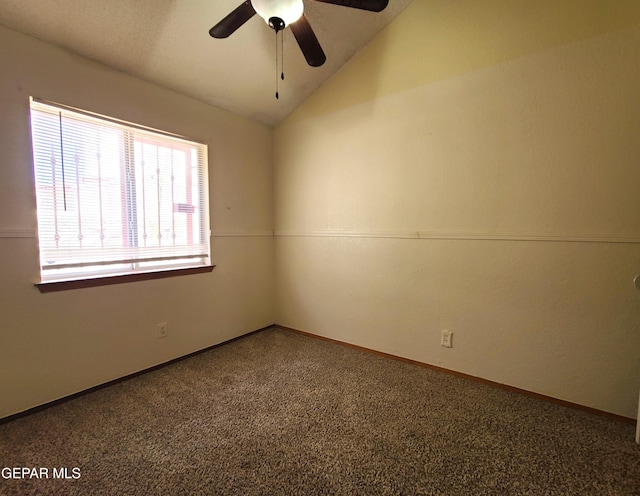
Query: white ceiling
(167, 42)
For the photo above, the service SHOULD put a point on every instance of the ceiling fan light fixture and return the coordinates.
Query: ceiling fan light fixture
(288, 11)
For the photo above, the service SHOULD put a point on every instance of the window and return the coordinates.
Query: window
(115, 198)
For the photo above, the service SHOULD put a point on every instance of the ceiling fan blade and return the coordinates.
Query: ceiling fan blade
(308, 42)
(233, 21)
(372, 5)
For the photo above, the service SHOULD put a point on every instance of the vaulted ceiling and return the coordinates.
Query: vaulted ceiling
(167, 42)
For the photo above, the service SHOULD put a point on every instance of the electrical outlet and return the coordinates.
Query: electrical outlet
(163, 330)
(446, 338)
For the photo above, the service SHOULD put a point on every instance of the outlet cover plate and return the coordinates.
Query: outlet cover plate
(163, 330)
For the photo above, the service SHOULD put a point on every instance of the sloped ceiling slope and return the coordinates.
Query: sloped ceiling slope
(167, 42)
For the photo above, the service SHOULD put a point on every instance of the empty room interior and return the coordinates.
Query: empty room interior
(473, 168)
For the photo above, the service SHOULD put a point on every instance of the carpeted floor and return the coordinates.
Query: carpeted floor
(278, 413)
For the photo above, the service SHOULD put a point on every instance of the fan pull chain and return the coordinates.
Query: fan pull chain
(281, 60)
(277, 94)
(282, 56)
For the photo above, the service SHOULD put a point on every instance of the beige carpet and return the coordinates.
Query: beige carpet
(277, 413)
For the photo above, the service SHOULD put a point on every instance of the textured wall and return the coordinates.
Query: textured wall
(55, 344)
(475, 169)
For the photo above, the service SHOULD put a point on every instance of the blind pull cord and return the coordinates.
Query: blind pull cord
(64, 186)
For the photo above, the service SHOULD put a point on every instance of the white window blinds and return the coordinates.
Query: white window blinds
(113, 197)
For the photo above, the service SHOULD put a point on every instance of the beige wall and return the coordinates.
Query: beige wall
(475, 168)
(55, 344)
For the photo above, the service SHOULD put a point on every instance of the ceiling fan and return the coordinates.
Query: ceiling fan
(279, 14)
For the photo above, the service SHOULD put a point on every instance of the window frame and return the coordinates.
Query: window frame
(141, 268)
